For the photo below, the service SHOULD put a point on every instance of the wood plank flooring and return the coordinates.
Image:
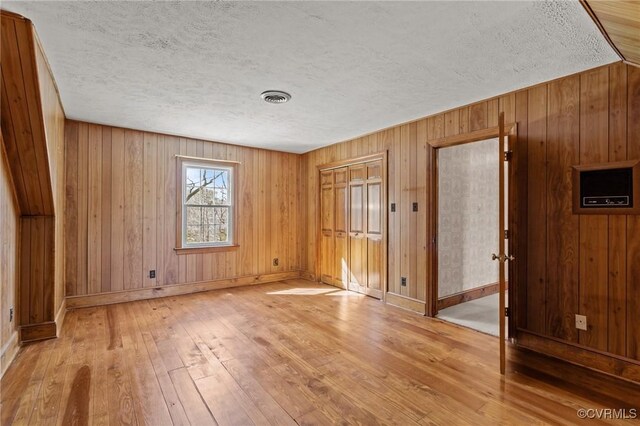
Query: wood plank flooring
(291, 352)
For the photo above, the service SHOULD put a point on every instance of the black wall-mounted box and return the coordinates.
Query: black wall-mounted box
(607, 188)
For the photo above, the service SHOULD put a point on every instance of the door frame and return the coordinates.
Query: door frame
(383, 156)
(515, 209)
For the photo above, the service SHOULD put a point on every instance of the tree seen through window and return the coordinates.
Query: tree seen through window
(207, 205)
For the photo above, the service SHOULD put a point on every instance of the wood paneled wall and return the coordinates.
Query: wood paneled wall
(33, 135)
(22, 123)
(121, 211)
(9, 234)
(54, 119)
(573, 264)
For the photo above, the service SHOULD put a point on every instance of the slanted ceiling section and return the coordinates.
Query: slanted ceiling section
(619, 20)
(32, 130)
(23, 125)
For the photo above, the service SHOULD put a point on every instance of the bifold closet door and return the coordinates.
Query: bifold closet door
(327, 268)
(341, 232)
(357, 229)
(374, 226)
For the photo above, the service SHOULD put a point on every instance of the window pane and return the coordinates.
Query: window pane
(207, 224)
(222, 233)
(207, 199)
(194, 234)
(222, 186)
(194, 215)
(199, 186)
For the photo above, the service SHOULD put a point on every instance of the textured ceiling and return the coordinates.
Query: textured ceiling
(197, 68)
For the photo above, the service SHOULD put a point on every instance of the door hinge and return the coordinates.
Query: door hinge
(507, 234)
(507, 311)
(508, 155)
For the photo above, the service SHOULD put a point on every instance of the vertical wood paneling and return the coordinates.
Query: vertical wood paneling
(133, 185)
(48, 239)
(493, 107)
(404, 207)
(71, 208)
(617, 285)
(464, 120)
(391, 141)
(422, 160)
(521, 237)
(33, 143)
(128, 202)
(633, 222)
(9, 258)
(37, 254)
(161, 213)
(451, 123)
(478, 116)
(190, 271)
(170, 258)
(507, 104)
(413, 216)
(594, 232)
(149, 227)
(536, 141)
(94, 210)
(105, 193)
(117, 209)
(25, 272)
(83, 199)
(563, 138)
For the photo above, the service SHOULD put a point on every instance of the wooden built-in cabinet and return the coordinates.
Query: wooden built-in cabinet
(353, 244)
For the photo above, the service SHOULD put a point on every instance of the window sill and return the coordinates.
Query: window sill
(195, 250)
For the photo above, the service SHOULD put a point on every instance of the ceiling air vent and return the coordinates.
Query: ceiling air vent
(275, 96)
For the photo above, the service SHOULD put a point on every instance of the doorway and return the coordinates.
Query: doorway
(353, 242)
(501, 156)
(468, 231)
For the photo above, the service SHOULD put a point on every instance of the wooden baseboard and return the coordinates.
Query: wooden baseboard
(308, 275)
(74, 302)
(35, 332)
(8, 352)
(577, 380)
(611, 364)
(467, 295)
(408, 303)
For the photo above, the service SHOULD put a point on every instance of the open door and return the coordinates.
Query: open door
(503, 257)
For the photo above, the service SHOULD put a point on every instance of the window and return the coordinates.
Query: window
(207, 210)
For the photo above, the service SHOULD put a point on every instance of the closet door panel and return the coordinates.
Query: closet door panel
(341, 231)
(375, 229)
(357, 229)
(327, 227)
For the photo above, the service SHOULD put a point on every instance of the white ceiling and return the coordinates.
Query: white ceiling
(197, 68)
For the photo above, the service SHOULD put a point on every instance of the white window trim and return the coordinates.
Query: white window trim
(185, 162)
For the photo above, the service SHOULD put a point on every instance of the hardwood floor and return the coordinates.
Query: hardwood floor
(283, 353)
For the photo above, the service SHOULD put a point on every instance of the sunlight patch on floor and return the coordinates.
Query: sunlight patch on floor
(303, 291)
(346, 293)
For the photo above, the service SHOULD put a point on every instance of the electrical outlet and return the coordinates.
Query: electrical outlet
(415, 207)
(276, 262)
(403, 281)
(11, 314)
(393, 207)
(581, 322)
(152, 273)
